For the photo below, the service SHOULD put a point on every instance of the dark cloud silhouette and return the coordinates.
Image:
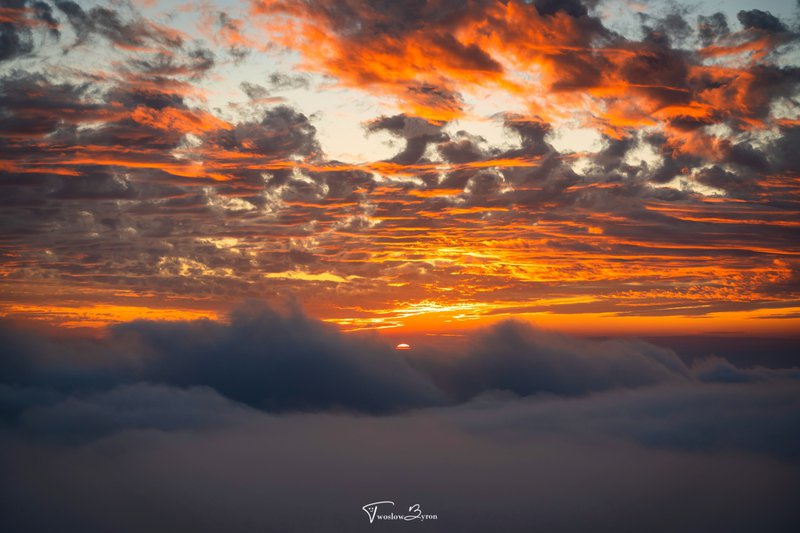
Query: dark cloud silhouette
(761, 20)
(281, 362)
(263, 358)
(285, 361)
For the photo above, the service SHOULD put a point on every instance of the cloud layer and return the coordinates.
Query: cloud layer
(264, 422)
(285, 361)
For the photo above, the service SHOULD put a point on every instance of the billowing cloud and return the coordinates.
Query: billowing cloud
(262, 358)
(197, 412)
(517, 358)
(285, 361)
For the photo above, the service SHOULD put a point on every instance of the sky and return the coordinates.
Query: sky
(273, 265)
(412, 167)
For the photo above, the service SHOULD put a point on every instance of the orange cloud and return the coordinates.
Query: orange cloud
(561, 66)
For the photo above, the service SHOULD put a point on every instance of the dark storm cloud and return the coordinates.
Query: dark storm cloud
(610, 158)
(463, 148)
(14, 42)
(470, 57)
(771, 83)
(431, 96)
(661, 70)
(281, 134)
(543, 181)
(746, 155)
(532, 136)
(44, 13)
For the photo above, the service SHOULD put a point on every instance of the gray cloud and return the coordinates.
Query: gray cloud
(108, 23)
(712, 27)
(514, 357)
(263, 358)
(285, 361)
(695, 458)
(620, 429)
(19, 27)
(138, 406)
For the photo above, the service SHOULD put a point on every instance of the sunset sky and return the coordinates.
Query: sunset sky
(302, 265)
(625, 167)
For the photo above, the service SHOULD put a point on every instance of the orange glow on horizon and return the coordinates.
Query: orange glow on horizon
(441, 319)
